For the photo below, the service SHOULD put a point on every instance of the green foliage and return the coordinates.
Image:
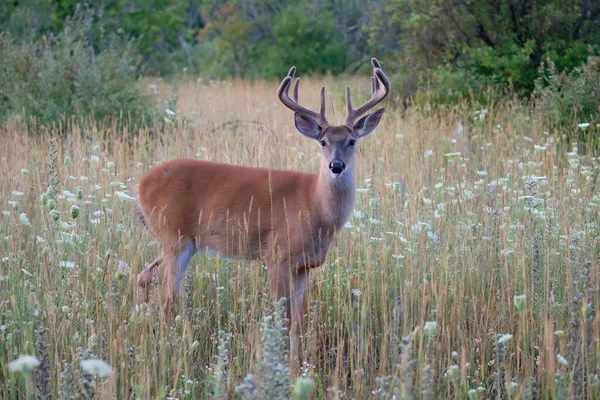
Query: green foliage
(303, 38)
(500, 43)
(264, 37)
(571, 99)
(64, 76)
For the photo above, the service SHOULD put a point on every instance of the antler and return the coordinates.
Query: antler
(284, 96)
(380, 88)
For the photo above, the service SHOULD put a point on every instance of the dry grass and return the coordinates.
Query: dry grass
(450, 225)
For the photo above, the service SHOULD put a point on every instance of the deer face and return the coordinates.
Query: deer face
(337, 142)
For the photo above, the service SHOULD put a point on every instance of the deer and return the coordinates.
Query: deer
(287, 219)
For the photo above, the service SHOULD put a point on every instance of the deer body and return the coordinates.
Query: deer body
(287, 219)
(246, 219)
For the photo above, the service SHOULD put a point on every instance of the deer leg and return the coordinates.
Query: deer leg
(144, 278)
(296, 302)
(291, 285)
(173, 272)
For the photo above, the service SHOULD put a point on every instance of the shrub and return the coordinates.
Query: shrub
(571, 100)
(78, 73)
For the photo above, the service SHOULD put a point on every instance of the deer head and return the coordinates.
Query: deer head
(337, 142)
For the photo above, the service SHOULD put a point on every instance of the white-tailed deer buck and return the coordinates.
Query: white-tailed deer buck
(287, 219)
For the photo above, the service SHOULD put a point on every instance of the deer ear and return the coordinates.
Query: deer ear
(307, 125)
(368, 123)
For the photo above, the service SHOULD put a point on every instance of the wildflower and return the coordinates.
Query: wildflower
(561, 360)
(505, 338)
(559, 333)
(453, 372)
(95, 159)
(24, 364)
(110, 165)
(195, 345)
(583, 125)
(356, 292)
(170, 112)
(55, 215)
(520, 302)
(122, 269)
(124, 196)
(67, 264)
(66, 309)
(74, 212)
(96, 367)
(17, 193)
(24, 220)
(430, 328)
(24, 171)
(51, 204)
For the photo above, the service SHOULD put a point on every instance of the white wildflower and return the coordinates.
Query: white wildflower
(562, 360)
(505, 338)
(17, 193)
(583, 125)
(67, 264)
(170, 112)
(430, 328)
(96, 367)
(24, 220)
(24, 364)
(124, 196)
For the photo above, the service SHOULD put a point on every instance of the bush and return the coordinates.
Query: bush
(79, 73)
(315, 44)
(571, 100)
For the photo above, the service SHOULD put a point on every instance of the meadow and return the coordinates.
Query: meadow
(469, 268)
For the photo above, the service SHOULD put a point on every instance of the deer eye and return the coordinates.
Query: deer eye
(351, 142)
(323, 144)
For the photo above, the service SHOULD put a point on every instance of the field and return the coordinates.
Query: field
(468, 270)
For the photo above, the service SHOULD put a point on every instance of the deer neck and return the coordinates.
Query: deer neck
(336, 196)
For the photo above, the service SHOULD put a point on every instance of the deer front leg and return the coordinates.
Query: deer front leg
(291, 285)
(296, 301)
(145, 277)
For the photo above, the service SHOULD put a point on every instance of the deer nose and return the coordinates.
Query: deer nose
(337, 167)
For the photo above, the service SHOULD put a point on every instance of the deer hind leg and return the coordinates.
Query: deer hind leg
(173, 273)
(145, 277)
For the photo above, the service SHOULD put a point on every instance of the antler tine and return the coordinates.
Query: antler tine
(284, 97)
(380, 88)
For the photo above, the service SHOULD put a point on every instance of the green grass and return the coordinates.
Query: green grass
(450, 225)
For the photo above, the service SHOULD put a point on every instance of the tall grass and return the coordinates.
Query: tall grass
(459, 212)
